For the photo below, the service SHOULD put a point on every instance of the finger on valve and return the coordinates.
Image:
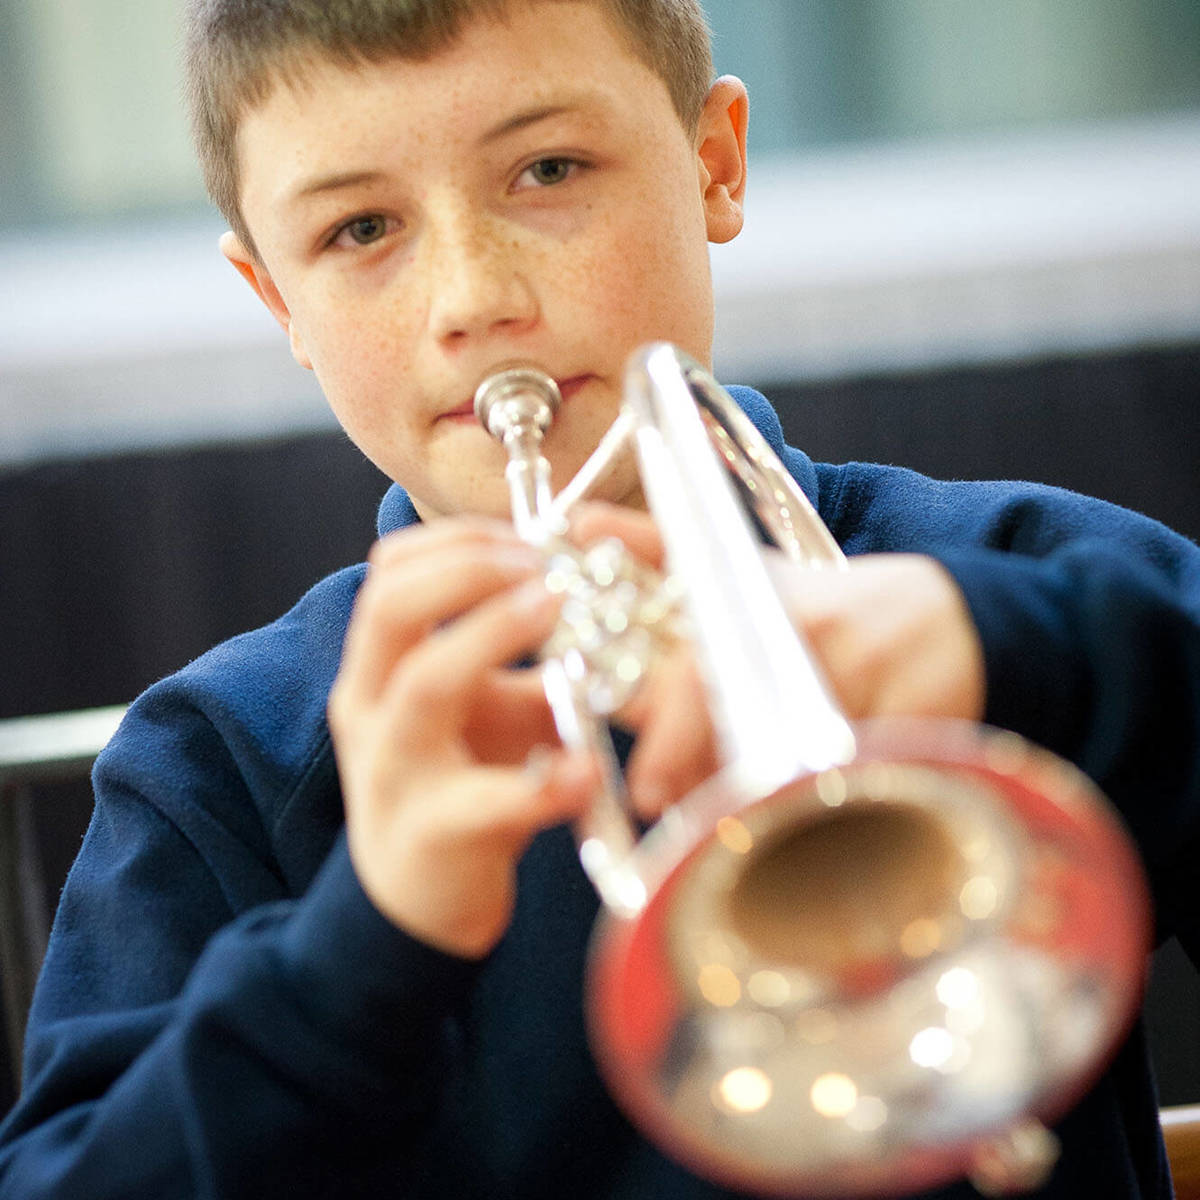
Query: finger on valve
(676, 748)
(594, 521)
(409, 595)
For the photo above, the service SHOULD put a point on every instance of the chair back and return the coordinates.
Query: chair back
(34, 751)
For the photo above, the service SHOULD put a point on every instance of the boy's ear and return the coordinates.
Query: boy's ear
(259, 278)
(721, 140)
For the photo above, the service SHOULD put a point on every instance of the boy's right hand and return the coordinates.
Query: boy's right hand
(448, 758)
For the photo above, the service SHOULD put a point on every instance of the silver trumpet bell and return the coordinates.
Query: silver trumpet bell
(862, 959)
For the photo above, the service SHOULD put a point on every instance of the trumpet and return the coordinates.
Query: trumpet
(862, 958)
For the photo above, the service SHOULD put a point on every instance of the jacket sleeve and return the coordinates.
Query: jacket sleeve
(1094, 652)
(1089, 616)
(196, 1031)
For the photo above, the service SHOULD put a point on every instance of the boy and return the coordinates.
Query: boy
(239, 999)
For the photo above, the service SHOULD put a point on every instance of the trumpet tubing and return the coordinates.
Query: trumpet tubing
(861, 958)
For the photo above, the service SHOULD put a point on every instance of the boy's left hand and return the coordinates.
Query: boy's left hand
(892, 634)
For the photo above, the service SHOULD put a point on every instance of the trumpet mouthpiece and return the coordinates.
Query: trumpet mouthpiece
(516, 397)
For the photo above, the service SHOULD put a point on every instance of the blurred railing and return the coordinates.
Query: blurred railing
(34, 750)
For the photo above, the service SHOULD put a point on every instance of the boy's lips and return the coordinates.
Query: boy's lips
(466, 411)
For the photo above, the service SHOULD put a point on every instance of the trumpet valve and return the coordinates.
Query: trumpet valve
(617, 617)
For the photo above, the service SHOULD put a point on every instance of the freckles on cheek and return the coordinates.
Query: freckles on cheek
(624, 282)
(348, 351)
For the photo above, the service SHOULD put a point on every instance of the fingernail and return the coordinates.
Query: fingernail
(517, 556)
(538, 764)
(650, 798)
(581, 767)
(532, 597)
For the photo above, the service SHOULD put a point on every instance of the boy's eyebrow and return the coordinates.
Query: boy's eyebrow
(340, 179)
(523, 120)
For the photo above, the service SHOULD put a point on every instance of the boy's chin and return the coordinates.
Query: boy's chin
(487, 498)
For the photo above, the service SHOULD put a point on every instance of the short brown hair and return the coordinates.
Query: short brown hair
(237, 50)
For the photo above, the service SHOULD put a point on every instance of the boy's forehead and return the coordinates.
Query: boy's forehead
(493, 72)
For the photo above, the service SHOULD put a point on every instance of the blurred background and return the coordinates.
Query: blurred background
(973, 247)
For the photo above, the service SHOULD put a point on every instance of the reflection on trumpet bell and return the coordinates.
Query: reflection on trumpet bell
(866, 982)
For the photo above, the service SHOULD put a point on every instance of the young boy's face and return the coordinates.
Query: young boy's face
(529, 194)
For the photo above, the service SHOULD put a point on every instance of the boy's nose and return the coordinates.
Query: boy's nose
(479, 283)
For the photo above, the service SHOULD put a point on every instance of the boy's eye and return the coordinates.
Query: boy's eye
(548, 171)
(362, 231)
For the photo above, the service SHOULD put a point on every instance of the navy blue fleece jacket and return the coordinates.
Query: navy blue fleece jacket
(222, 1012)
